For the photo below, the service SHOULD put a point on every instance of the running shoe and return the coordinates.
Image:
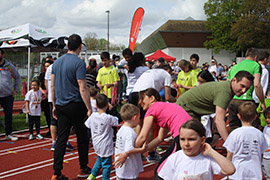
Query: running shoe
(154, 159)
(39, 137)
(69, 147)
(91, 177)
(159, 149)
(84, 173)
(53, 146)
(169, 139)
(31, 137)
(62, 177)
(11, 137)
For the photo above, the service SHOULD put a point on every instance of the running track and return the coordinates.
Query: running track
(27, 160)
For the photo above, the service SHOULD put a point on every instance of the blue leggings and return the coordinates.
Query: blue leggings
(106, 164)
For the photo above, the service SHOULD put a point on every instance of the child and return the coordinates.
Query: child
(33, 108)
(266, 154)
(196, 160)
(245, 145)
(125, 140)
(93, 96)
(101, 124)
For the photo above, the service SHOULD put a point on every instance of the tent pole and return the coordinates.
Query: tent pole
(28, 74)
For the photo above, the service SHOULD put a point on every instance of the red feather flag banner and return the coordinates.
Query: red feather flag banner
(135, 27)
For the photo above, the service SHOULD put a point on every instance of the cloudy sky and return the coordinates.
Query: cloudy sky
(65, 17)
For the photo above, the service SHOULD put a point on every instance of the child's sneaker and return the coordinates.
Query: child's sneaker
(84, 173)
(159, 149)
(91, 177)
(31, 137)
(62, 177)
(53, 146)
(69, 147)
(39, 137)
(154, 158)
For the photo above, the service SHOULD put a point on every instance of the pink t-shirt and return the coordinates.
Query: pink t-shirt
(168, 115)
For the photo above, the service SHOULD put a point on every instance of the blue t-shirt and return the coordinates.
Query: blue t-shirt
(67, 70)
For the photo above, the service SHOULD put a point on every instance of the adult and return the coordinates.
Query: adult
(44, 102)
(249, 64)
(213, 67)
(136, 67)
(263, 59)
(219, 70)
(71, 104)
(215, 97)
(224, 73)
(7, 72)
(168, 116)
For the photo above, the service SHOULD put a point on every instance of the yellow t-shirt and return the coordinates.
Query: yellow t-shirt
(107, 75)
(196, 72)
(186, 79)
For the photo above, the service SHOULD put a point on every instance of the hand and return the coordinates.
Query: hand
(109, 85)
(120, 160)
(144, 147)
(54, 113)
(110, 106)
(206, 149)
(262, 107)
(100, 86)
(89, 112)
(27, 112)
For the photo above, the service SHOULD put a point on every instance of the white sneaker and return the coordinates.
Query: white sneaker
(11, 137)
(39, 137)
(31, 137)
(169, 139)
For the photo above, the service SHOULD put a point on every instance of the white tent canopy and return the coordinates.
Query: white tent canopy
(29, 37)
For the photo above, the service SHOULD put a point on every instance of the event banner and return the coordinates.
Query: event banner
(135, 27)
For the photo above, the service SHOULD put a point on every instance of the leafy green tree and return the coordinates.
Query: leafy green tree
(238, 24)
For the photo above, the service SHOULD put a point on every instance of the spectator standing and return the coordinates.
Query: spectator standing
(101, 125)
(249, 64)
(71, 104)
(33, 108)
(214, 66)
(219, 71)
(245, 145)
(44, 102)
(263, 59)
(224, 74)
(91, 73)
(7, 92)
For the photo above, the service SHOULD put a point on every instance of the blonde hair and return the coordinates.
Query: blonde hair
(128, 111)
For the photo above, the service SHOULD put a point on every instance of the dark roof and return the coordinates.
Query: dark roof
(176, 33)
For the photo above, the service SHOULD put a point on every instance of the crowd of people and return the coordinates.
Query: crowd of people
(158, 99)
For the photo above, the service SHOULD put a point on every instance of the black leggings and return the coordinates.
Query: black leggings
(34, 120)
(172, 149)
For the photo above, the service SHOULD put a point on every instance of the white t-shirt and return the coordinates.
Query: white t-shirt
(34, 98)
(153, 78)
(94, 105)
(266, 133)
(102, 133)
(133, 77)
(247, 145)
(213, 68)
(264, 83)
(125, 140)
(48, 78)
(206, 121)
(181, 167)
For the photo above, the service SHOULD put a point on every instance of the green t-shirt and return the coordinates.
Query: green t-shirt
(107, 75)
(204, 98)
(247, 65)
(262, 118)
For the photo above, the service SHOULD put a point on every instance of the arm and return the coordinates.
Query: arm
(27, 107)
(227, 167)
(46, 84)
(17, 79)
(220, 123)
(168, 95)
(146, 128)
(259, 90)
(53, 97)
(123, 156)
(99, 85)
(162, 133)
(85, 95)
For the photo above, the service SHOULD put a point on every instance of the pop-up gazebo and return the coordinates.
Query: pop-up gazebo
(31, 38)
(158, 54)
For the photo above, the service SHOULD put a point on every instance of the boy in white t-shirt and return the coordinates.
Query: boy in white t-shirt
(93, 96)
(33, 108)
(266, 154)
(101, 125)
(245, 145)
(125, 139)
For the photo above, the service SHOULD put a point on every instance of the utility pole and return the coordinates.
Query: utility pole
(108, 41)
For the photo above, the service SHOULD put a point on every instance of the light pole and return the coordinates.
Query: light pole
(108, 41)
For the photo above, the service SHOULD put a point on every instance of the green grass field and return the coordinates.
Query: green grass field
(19, 122)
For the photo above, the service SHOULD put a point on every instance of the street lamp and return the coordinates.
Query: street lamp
(108, 41)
